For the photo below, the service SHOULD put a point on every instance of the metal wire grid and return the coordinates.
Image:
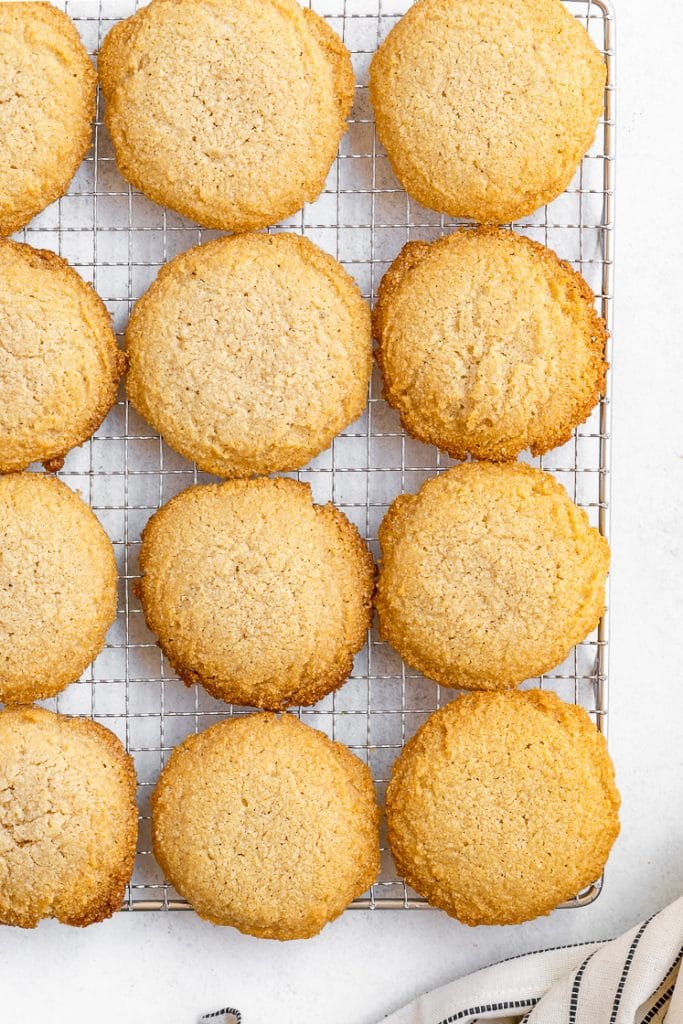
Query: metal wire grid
(118, 240)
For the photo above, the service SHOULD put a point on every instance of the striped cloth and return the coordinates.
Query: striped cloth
(630, 980)
(225, 1016)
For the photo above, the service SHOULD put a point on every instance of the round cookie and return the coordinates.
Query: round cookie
(503, 806)
(486, 107)
(47, 103)
(59, 362)
(489, 576)
(250, 353)
(68, 819)
(489, 344)
(256, 593)
(57, 587)
(228, 111)
(264, 824)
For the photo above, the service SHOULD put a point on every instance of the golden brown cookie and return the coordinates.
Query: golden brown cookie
(47, 103)
(489, 576)
(489, 344)
(264, 824)
(68, 819)
(250, 354)
(228, 111)
(256, 593)
(59, 362)
(57, 587)
(486, 107)
(503, 806)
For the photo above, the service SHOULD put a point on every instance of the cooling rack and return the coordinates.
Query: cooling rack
(118, 240)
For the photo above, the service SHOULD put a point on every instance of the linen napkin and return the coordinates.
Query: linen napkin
(629, 980)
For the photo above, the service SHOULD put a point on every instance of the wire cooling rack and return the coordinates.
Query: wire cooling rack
(118, 240)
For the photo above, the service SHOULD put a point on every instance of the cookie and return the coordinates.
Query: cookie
(57, 587)
(486, 107)
(228, 111)
(489, 576)
(68, 819)
(256, 593)
(249, 354)
(489, 344)
(264, 824)
(503, 806)
(47, 103)
(59, 362)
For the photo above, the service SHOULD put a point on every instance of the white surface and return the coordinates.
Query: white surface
(170, 968)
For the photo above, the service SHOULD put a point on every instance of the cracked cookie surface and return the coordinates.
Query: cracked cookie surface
(250, 353)
(256, 593)
(68, 819)
(264, 824)
(489, 575)
(503, 806)
(486, 107)
(228, 111)
(489, 344)
(59, 362)
(58, 582)
(47, 103)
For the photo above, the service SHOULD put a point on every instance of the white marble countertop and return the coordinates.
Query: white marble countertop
(169, 968)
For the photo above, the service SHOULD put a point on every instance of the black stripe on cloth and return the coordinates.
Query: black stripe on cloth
(665, 996)
(574, 998)
(627, 967)
(514, 1004)
(661, 1002)
(550, 949)
(227, 1011)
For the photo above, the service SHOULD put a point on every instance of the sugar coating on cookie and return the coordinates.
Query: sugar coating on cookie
(489, 344)
(250, 353)
(503, 806)
(264, 824)
(58, 582)
(228, 111)
(59, 362)
(68, 819)
(489, 575)
(256, 593)
(47, 103)
(486, 107)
